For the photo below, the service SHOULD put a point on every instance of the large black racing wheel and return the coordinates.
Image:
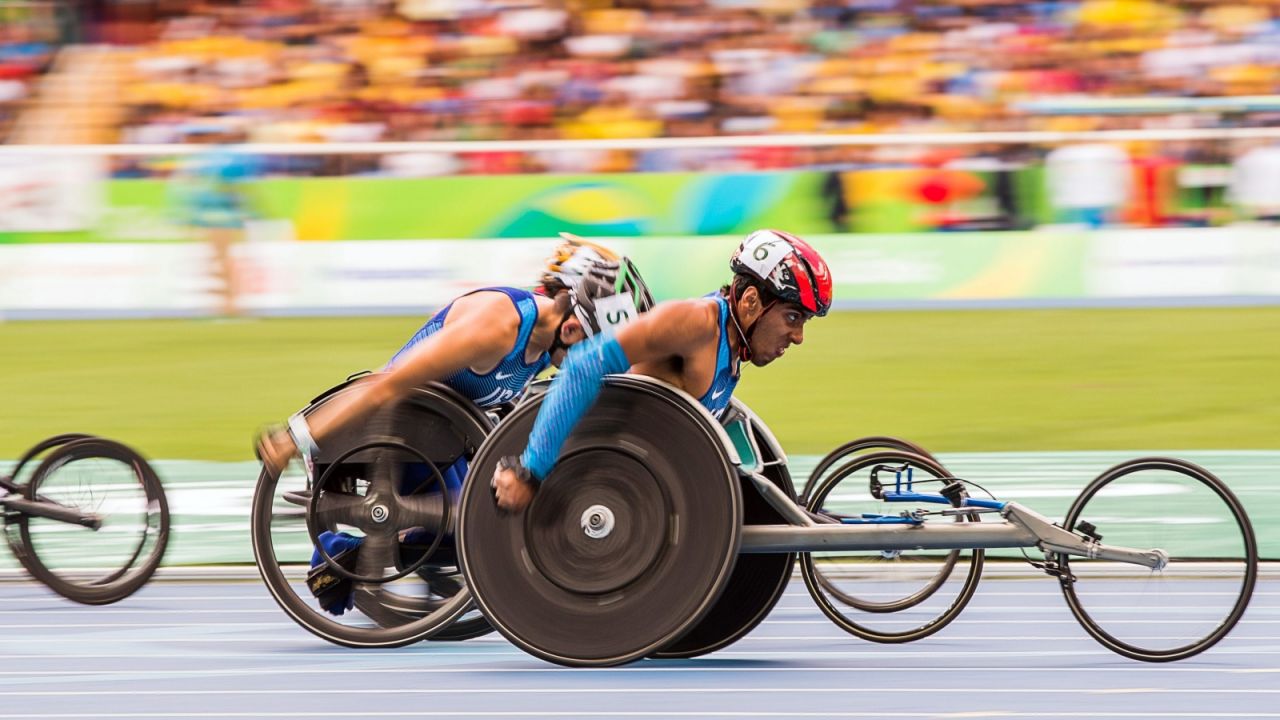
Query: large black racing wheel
(110, 482)
(627, 544)
(381, 484)
(758, 579)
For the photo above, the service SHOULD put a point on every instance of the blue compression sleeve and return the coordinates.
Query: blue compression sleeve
(569, 398)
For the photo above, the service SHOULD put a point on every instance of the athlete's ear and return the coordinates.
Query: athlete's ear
(749, 305)
(571, 331)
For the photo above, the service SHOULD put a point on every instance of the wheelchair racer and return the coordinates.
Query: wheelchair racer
(488, 345)
(697, 345)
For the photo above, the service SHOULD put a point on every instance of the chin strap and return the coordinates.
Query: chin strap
(744, 348)
(556, 342)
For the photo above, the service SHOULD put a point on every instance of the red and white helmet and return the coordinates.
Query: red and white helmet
(788, 266)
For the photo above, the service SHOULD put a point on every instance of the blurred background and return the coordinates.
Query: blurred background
(1051, 224)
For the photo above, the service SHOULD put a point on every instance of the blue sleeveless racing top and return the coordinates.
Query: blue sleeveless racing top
(511, 376)
(716, 399)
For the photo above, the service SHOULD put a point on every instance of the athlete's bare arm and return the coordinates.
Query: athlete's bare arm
(659, 343)
(479, 331)
(668, 341)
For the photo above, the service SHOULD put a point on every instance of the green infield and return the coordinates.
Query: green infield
(951, 380)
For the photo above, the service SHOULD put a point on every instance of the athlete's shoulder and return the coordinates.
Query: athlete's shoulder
(489, 307)
(693, 319)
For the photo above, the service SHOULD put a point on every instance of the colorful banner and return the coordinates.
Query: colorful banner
(65, 207)
(499, 206)
(49, 194)
(284, 276)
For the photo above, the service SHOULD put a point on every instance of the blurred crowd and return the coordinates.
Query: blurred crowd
(377, 70)
(353, 70)
(26, 51)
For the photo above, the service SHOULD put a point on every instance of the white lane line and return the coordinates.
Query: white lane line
(1100, 652)
(145, 597)
(980, 604)
(986, 593)
(681, 669)
(832, 637)
(644, 691)
(800, 607)
(891, 620)
(990, 594)
(101, 612)
(990, 587)
(1093, 609)
(496, 640)
(988, 638)
(1003, 621)
(650, 714)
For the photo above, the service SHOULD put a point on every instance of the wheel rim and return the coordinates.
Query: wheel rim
(114, 483)
(387, 614)
(1186, 607)
(886, 597)
(575, 617)
(381, 511)
(857, 447)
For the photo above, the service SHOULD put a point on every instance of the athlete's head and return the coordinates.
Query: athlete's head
(606, 296)
(570, 261)
(779, 283)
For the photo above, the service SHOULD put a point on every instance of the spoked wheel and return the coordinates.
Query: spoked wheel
(627, 543)
(847, 451)
(383, 485)
(887, 596)
(1187, 606)
(115, 485)
(29, 460)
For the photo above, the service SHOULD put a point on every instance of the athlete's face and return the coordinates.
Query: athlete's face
(571, 333)
(780, 327)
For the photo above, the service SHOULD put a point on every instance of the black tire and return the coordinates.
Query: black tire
(915, 612)
(758, 580)
(42, 447)
(858, 447)
(628, 542)
(1227, 561)
(88, 565)
(434, 421)
(12, 536)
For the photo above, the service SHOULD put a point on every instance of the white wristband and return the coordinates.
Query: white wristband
(301, 434)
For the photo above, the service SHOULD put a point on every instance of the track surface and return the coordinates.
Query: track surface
(222, 649)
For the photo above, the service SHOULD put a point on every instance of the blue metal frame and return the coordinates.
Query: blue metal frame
(874, 519)
(895, 496)
(898, 494)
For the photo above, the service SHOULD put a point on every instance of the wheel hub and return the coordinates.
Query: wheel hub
(597, 522)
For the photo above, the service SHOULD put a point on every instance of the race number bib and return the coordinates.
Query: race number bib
(762, 251)
(614, 311)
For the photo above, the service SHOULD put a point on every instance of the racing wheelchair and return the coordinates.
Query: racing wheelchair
(631, 542)
(664, 533)
(90, 521)
(384, 479)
